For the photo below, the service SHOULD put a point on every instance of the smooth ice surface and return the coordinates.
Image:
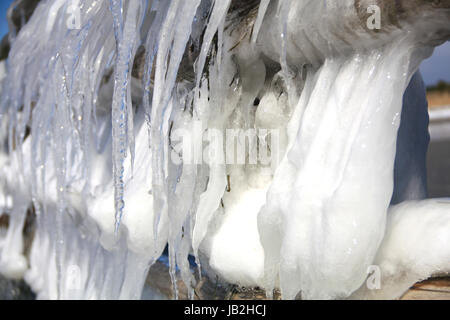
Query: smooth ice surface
(114, 136)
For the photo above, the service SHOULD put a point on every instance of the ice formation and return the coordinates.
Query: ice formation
(98, 95)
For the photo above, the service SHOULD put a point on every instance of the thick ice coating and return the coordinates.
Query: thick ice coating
(268, 139)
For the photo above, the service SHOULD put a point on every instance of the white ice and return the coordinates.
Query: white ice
(87, 147)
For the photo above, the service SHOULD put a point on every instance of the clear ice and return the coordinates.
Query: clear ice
(91, 116)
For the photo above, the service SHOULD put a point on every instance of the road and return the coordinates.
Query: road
(439, 153)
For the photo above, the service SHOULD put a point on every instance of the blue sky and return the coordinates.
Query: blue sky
(433, 69)
(437, 67)
(4, 5)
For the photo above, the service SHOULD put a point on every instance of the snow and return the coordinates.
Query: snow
(414, 247)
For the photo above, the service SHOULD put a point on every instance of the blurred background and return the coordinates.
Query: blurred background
(4, 5)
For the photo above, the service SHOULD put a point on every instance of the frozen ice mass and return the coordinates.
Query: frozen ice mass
(122, 122)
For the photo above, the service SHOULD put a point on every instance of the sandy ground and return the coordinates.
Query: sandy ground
(438, 99)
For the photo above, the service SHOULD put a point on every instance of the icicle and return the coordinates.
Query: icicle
(259, 19)
(218, 112)
(151, 46)
(173, 38)
(210, 200)
(64, 75)
(283, 10)
(220, 37)
(60, 132)
(217, 15)
(130, 126)
(126, 40)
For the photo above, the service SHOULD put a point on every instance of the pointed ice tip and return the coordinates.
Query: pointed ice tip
(117, 226)
(199, 269)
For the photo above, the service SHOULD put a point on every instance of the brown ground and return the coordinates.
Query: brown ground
(438, 98)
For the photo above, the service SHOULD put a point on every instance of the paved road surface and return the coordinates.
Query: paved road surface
(439, 153)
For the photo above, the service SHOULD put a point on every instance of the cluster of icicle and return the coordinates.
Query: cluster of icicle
(87, 144)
